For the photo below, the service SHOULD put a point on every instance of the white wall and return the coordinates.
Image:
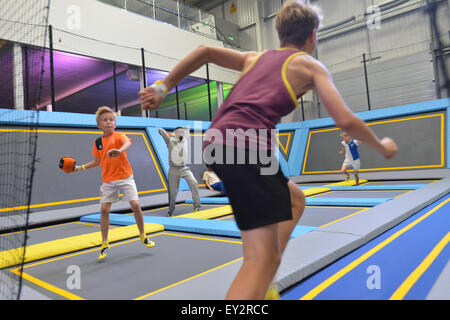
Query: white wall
(80, 25)
(21, 21)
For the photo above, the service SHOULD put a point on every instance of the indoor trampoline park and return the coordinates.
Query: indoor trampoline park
(364, 224)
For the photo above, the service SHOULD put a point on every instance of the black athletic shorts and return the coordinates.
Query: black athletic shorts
(256, 186)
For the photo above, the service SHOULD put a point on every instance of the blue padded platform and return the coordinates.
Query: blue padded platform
(211, 200)
(203, 226)
(357, 202)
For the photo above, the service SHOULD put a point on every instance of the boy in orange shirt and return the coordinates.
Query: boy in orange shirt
(110, 152)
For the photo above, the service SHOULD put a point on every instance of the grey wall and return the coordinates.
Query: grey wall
(419, 141)
(52, 184)
(400, 63)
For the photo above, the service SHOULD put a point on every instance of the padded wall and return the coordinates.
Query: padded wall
(420, 139)
(54, 188)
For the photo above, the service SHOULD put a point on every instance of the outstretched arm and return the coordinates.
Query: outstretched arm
(223, 57)
(92, 164)
(187, 132)
(116, 152)
(344, 117)
(208, 185)
(164, 134)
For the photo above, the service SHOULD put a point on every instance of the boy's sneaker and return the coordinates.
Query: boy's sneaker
(272, 293)
(197, 209)
(103, 251)
(169, 214)
(145, 240)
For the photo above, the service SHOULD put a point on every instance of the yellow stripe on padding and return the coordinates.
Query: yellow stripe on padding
(57, 247)
(209, 214)
(404, 288)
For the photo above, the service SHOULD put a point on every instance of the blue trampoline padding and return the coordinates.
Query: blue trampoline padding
(212, 200)
(364, 202)
(357, 202)
(299, 230)
(211, 227)
(377, 187)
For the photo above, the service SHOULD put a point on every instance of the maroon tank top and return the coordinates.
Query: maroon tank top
(256, 103)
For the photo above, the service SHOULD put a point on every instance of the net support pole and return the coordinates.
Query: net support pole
(366, 80)
(178, 102)
(18, 77)
(303, 108)
(52, 69)
(116, 105)
(143, 79)
(209, 92)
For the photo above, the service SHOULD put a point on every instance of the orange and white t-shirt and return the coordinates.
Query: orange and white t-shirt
(117, 168)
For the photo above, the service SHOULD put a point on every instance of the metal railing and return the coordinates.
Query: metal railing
(174, 12)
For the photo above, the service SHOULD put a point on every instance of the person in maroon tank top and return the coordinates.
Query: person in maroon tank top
(238, 145)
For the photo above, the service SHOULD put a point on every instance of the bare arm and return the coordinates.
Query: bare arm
(341, 151)
(187, 132)
(208, 185)
(345, 118)
(224, 57)
(92, 164)
(164, 134)
(116, 152)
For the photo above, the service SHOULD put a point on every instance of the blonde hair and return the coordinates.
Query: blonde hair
(296, 21)
(103, 110)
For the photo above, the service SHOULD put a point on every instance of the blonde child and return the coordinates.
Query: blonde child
(352, 158)
(110, 152)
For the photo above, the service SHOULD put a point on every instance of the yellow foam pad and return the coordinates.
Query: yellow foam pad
(311, 191)
(57, 247)
(208, 214)
(346, 183)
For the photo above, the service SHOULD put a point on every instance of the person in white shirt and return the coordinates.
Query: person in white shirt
(177, 144)
(352, 158)
(213, 182)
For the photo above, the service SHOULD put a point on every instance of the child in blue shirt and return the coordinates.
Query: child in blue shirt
(352, 159)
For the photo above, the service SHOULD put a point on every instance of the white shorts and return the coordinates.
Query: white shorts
(109, 191)
(355, 164)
